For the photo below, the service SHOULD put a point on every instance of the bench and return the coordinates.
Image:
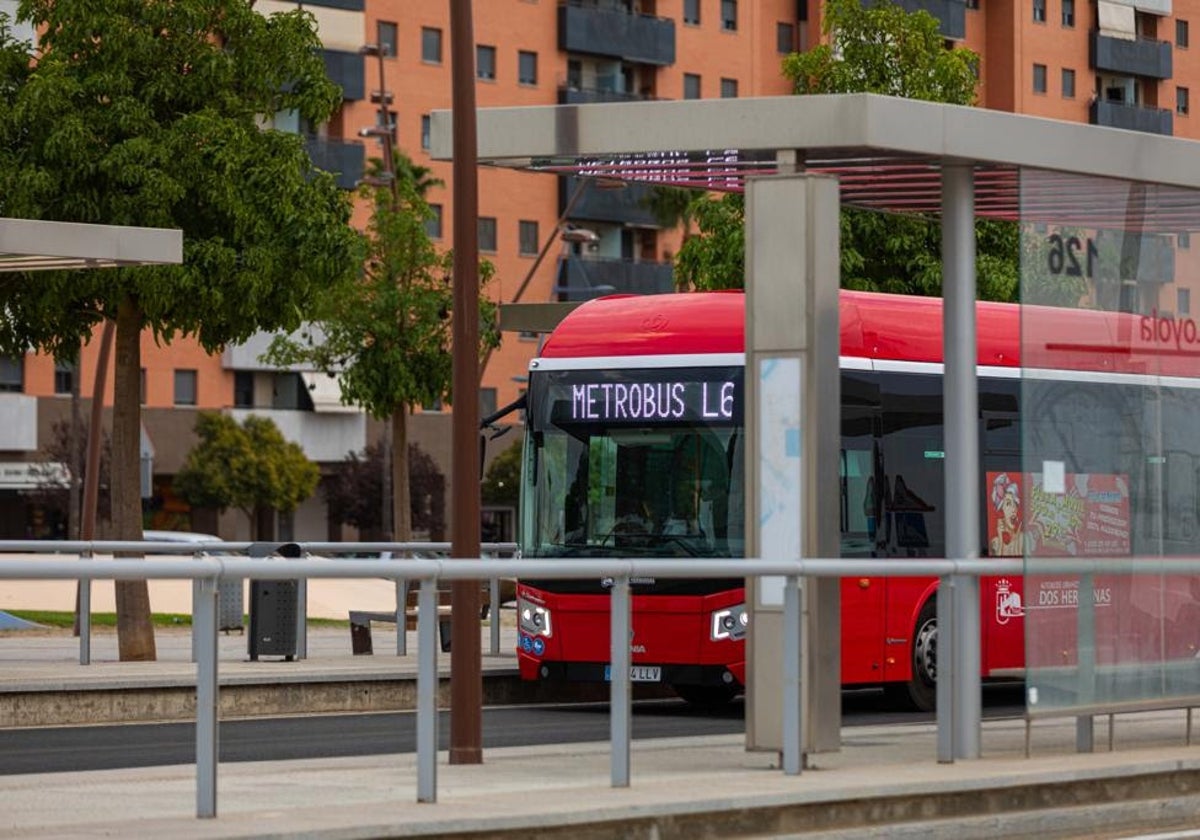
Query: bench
(360, 626)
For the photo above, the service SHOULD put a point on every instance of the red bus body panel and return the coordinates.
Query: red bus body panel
(876, 327)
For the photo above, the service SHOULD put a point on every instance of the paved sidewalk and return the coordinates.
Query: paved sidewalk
(884, 782)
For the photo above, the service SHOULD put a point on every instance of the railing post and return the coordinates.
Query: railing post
(945, 670)
(494, 614)
(85, 615)
(793, 721)
(402, 616)
(204, 633)
(427, 690)
(621, 693)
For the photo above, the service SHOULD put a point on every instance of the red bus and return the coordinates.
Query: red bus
(635, 448)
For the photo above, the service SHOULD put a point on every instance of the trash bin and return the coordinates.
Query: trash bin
(230, 614)
(274, 605)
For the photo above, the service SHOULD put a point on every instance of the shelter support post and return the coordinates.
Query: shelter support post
(793, 428)
(959, 721)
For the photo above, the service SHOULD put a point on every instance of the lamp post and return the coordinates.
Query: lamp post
(385, 131)
(466, 668)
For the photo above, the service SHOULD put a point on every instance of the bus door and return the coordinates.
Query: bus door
(911, 478)
(1001, 599)
(860, 513)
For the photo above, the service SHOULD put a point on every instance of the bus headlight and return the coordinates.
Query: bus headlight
(730, 623)
(533, 619)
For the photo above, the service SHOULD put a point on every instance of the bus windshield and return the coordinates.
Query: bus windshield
(634, 463)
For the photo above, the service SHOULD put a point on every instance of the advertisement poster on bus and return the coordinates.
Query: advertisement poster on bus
(1082, 515)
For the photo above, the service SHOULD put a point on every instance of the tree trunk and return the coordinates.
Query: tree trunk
(401, 489)
(135, 632)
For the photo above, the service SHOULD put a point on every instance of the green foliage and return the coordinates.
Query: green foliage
(715, 258)
(148, 114)
(247, 466)
(387, 337)
(502, 483)
(355, 489)
(877, 48)
(880, 48)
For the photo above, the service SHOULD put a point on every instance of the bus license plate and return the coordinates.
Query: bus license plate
(638, 673)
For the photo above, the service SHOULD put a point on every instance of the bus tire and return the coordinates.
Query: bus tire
(706, 696)
(919, 693)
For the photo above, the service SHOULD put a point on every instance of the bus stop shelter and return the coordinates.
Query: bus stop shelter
(1077, 192)
(36, 245)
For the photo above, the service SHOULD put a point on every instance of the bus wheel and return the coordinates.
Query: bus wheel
(706, 696)
(920, 693)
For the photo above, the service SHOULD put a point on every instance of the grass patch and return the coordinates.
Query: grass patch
(55, 618)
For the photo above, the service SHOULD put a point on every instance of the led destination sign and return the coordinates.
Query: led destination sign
(711, 401)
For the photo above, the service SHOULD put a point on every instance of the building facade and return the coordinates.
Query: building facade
(1120, 64)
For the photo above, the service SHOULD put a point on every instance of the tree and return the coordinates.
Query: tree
(149, 114)
(250, 466)
(355, 487)
(387, 338)
(872, 48)
(54, 486)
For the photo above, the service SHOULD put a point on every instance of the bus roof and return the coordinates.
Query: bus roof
(893, 327)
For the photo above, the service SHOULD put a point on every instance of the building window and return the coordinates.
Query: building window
(1068, 13)
(691, 12)
(485, 62)
(431, 45)
(1184, 240)
(729, 15)
(1181, 101)
(691, 86)
(785, 38)
(1181, 33)
(391, 120)
(12, 374)
(1183, 301)
(64, 377)
(729, 88)
(1039, 78)
(185, 387)
(426, 122)
(243, 389)
(487, 233)
(973, 4)
(527, 237)
(527, 67)
(142, 386)
(1068, 83)
(387, 38)
(1039, 11)
(433, 225)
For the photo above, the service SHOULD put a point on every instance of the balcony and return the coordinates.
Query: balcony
(612, 32)
(572, 95)
(1143, 57)
(346, 69)
(1131, 117)
(623, 205)
(951, 14)
(322, 436)
(583, 278)
(345, 159)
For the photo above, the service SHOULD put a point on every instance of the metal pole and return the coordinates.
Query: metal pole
(494, 614)
(793, 721)
(466, 672)
(1086, 651)
(961, 402)
(945, 670)
(207, 702)
(621, 696)
(427, 691)
(402, 616)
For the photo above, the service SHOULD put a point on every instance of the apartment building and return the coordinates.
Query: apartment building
(1119, 64)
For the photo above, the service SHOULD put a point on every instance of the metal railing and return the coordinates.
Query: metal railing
(207, 570)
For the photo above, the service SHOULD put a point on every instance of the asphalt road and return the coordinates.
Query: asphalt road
(61, 749)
